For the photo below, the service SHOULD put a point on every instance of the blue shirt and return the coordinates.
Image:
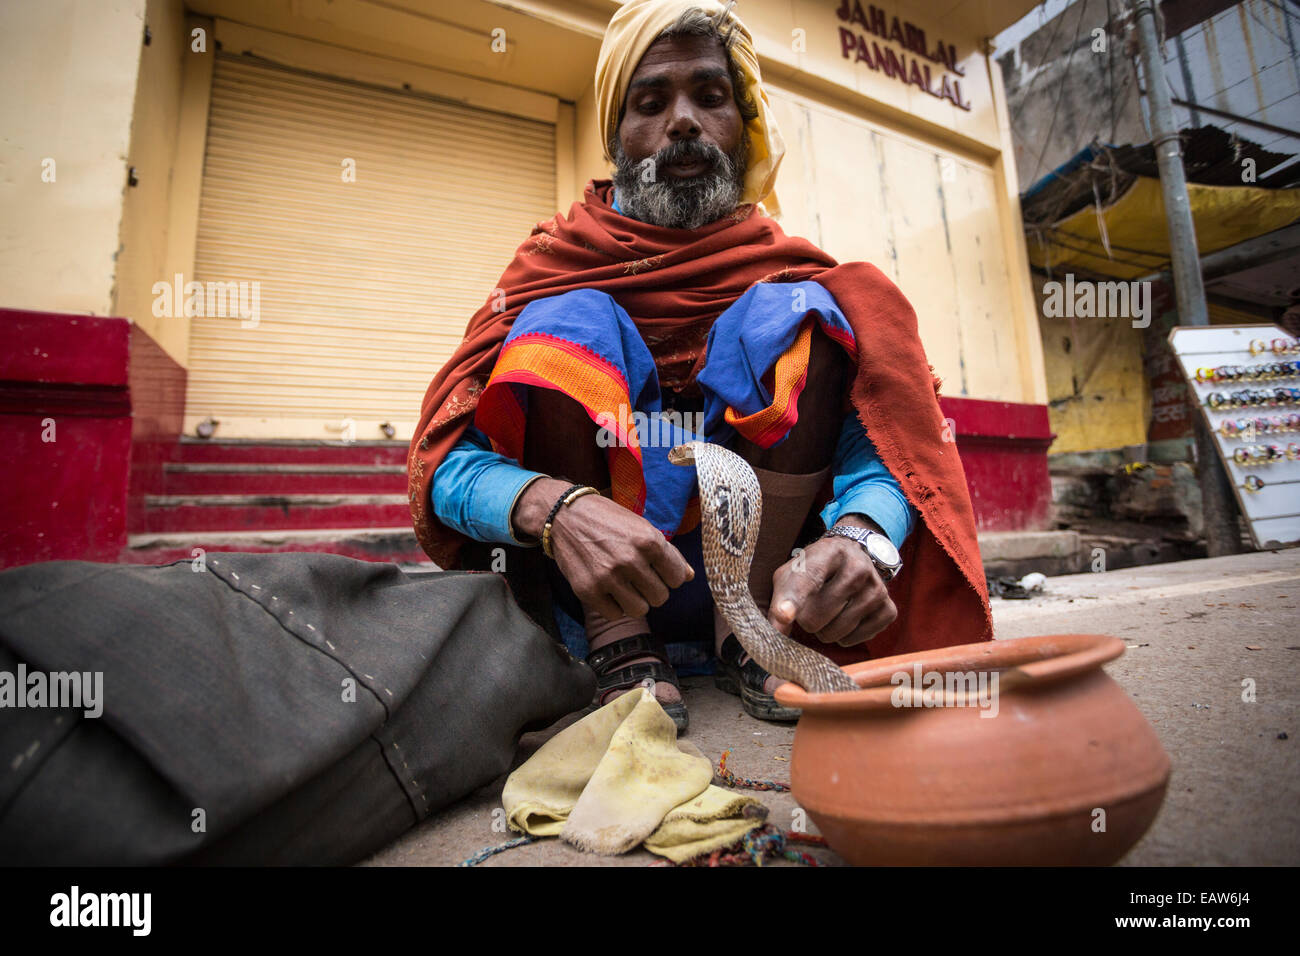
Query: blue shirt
(476, 488)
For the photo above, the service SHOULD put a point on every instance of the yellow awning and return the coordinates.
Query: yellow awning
(1135, 228)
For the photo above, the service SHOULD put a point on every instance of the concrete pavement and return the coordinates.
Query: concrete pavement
(1195, 629)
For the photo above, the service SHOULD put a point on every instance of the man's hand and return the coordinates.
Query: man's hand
(616, 562)
(833, 590)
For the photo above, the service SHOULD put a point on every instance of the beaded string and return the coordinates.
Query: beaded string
(491, 851)
(764, 843)
(731, 780)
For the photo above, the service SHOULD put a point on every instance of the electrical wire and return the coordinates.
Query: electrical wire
(1110, 71)
(1069, 62)
(1047, 52)
(1101, 103)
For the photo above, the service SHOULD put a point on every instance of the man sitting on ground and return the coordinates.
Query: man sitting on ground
(668, 290)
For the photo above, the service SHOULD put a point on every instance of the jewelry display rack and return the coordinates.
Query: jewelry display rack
(1246, 379)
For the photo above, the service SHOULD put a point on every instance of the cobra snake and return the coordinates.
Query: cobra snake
(731, 509)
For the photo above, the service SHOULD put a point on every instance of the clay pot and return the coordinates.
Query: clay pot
(891, 781)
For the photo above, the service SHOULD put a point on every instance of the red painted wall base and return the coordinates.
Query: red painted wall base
(65, 416)
(1003, 447)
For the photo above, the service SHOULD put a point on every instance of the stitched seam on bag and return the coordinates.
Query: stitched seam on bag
(49, 752)
(415, 784)
(271, 614)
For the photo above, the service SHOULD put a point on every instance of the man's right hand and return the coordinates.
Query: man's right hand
(616, 562)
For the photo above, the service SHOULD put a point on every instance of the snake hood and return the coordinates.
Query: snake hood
(731, 511)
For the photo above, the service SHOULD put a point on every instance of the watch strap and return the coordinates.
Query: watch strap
(859, 535)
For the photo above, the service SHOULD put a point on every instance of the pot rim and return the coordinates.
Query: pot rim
(1026, 662)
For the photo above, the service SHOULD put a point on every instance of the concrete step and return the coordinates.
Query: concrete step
(1101, 546)
(1020, 552)
(369, 544)
(247, 478)
(214, 513)
(290, 452)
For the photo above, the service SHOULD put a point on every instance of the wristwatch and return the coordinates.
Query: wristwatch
(879, 548)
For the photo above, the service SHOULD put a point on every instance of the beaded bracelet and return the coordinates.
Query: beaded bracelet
(571, 494)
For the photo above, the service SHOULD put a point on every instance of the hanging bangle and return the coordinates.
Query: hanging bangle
(571, 494)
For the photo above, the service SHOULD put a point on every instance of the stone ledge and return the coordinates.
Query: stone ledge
(1020, 552)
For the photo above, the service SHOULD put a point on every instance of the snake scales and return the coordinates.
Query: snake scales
(731, 509)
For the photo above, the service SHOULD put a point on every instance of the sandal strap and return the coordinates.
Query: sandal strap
(633, 674)
(751, 671)
(611, 655)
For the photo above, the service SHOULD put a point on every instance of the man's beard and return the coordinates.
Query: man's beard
(681, 203)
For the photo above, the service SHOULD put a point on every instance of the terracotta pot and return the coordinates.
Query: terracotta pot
(1007, 778)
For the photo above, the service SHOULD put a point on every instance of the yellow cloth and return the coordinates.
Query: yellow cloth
(714, 819)
(630, 33)
(619, 778)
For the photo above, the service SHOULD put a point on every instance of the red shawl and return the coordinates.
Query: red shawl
(674, 283)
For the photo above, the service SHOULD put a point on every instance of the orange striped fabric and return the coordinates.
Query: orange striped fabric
(536, 358)
(768, 425)
(548, 361)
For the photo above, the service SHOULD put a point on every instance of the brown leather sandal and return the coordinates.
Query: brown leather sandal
(614, 673)
(746, 682)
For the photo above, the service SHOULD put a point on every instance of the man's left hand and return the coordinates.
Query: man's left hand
(833, 590)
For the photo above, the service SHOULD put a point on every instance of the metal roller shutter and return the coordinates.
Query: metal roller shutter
(363, 288)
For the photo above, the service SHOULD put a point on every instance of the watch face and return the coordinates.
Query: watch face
(882, 549)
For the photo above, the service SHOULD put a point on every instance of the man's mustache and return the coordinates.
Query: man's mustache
(689, 151)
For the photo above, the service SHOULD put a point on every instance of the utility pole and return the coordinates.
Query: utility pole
(1219, 507)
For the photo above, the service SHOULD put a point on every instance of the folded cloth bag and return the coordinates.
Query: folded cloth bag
(619, 778)
(261, 708)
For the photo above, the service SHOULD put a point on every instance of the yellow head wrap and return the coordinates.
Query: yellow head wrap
(630, 33)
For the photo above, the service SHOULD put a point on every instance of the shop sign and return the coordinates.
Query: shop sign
(933, 69)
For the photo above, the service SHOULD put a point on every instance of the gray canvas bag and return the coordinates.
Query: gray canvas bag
(266, 709)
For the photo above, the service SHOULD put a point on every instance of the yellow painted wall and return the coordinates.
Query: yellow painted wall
(1221, 314)
(68, 69)
(924, 217)
(146, 206)
(1098, 396)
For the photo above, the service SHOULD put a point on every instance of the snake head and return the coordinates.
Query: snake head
(683, 454)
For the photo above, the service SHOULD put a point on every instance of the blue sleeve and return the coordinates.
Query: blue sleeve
(863, 485)
(475, 489)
